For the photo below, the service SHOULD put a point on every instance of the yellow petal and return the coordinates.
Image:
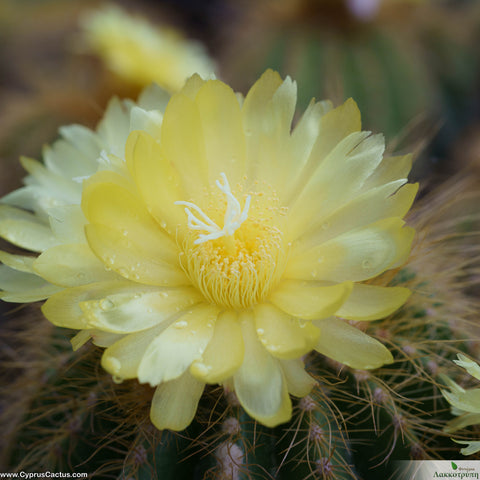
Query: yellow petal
(113, 206)
(137, 262)
(23, 287)
(192, 86)
(158, 182)
(63, 309)
(390, 169)
(337, 179)
(175, 402)
(356, 255)
(299, 382)
(463, 421)
(123, 357)
(473, 368)
(309, 300)
(68, 223)
(183, 145)
(133, 311)
(346, 344)
(183, 342)
(222, 129)
(25, 230)
(281, 334)
(336, 125)
(21, 263)
(379, 203)
(71, 265)
(467, 401)
(259, 383)
(224, 353)
(369, 302)
(267, 114)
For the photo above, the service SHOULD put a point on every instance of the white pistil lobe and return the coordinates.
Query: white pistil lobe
(234, 215)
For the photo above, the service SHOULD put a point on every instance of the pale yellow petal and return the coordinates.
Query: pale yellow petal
(192, 86)
(123, 357)
(174, 403)
(337, 179)
(25, 230)
(157, 180)
(222, 130)
(356, 255)
(224, 354)
(133, 311)
(467, 401)
(309, 300)
(183, 342)
(63, 309)
(369, 302)
(389, 170)
(68, 223)
(463, 421)
(299, 382)
(259, 383)
(22, 287)
(336, 125)
(21, 263)
(267, 114)
(71, 265)
(473, 368)
(133, 261)
(281, 334)
(346, 344)
(115, 207)
(183, 145)
(390, 200)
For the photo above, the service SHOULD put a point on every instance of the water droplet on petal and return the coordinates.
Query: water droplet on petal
(164, 294)
(106, 304)
(180, 324)
(367, 264)
(260, 331)
(117, 379)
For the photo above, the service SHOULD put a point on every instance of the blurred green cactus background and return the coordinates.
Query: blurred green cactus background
(413, 67)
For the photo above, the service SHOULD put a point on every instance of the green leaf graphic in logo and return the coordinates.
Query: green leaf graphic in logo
(454, 466)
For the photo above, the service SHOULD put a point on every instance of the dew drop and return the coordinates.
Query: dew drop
(180, 324)
(320, 259)
(106, 304)
(163, 224)
(202, 369)
(260, 331)
(124, 232)
(117, 379)
(164, 294)
(313, 273)
(81, 276)
(367, 264)
(325, 225)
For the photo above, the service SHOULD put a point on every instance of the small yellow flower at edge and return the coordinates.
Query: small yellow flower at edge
(465, 404)
(222, 246)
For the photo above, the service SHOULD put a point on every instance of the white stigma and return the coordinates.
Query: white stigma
(234, 216)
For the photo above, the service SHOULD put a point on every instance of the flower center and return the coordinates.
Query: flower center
(234, 216)
(237, 265)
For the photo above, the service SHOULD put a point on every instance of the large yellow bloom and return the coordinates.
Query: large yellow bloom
(224, 246)
(140, 53)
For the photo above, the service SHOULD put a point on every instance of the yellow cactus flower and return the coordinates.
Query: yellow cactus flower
(140, 53)
(220, 247)
(465, 404)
